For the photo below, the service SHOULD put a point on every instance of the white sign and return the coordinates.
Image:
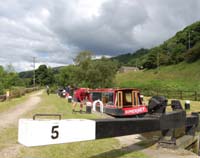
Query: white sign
(44, 132)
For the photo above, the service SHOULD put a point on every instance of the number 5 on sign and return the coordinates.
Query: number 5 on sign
(54, 132)
(45, 132)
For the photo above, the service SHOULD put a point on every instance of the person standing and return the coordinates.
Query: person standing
(47, 90)
(80, 96)
(68, 91)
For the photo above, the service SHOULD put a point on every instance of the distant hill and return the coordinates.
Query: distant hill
(131, 59)
(29, 74)
(184, 46)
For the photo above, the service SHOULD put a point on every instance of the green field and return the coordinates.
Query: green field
(182, 76)
(94, 149)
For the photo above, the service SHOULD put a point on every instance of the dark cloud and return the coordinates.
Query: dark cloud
(110, 32)
(55, 32)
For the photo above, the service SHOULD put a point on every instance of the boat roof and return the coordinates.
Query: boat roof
(113, 89)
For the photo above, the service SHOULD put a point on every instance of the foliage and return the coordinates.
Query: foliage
(82, 57)
(151, 61)
(66, 75)
(101, 73)
(9, 78)
(193, 54)
(88, 72)
(132, 59)
(183, 46)
(44, 75)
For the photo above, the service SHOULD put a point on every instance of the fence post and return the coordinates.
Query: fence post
(195, 95)
(181, 94)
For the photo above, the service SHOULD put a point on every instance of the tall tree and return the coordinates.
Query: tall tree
(83, 57)
(44, 75)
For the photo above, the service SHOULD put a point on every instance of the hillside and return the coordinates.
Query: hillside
(29, 74)
(131, 59)
(182, 76)
(184, 46)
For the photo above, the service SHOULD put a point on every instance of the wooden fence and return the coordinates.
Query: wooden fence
(17, 93)
(2, 98)
(183, 95)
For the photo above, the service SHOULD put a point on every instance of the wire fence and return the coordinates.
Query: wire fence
(183, 95)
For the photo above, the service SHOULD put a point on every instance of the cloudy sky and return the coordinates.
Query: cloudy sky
(54, 31)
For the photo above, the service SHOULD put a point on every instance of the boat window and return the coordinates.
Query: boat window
(107, 98)
(139, 99)
(127, 99)
(96, 96)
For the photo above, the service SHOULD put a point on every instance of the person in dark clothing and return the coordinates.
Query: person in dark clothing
(47, 90)
(68, 90)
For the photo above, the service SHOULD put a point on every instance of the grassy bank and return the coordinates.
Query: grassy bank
(93, 149)
(182, 76)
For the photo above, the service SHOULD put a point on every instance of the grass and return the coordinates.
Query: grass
(54, 104)
(103, 148)
(8, 137)
(182, 76)
(194, 105)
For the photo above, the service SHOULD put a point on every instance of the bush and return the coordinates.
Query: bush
(193, 54)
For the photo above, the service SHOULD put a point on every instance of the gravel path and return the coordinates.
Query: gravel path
(11, 117)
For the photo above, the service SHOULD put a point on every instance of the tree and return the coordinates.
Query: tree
(193, 54)
(2, 79)
(102, 73)
(97, 74)
(11, 78)
(44, 75)
(82, 57)
(151, 61)
(66, 75)
(88, 73)
(10, 68)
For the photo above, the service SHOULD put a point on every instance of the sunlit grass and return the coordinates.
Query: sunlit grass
(93, 149)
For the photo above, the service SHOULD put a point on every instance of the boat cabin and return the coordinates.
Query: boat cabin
(119, 102)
